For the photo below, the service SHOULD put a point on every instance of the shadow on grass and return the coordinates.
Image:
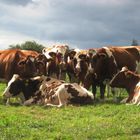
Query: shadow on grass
(136, 131)
(96, 102)
(108, 101)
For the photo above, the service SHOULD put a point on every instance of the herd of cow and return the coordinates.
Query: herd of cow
(40, 78)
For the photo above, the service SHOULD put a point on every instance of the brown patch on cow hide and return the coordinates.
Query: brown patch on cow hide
(71, 90)
(77, 99)
(48, 79)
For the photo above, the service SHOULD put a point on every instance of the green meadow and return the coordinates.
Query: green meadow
(106, 120)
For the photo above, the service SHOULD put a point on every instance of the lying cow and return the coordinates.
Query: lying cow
(131, 82)
(49, 91)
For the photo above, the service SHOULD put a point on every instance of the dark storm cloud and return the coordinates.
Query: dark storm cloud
(85, 23)
(106, 24)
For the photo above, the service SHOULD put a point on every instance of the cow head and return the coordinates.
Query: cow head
(103, 64)
(26, 67)
(124, 79)
(14, 87)
(81, 60)
(24, 88)
(40, 62)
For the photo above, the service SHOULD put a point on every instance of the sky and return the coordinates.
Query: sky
(79, 23)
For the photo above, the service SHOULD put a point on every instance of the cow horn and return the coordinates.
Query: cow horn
(124, 68)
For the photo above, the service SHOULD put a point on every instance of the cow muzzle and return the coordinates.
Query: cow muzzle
(77, 70)
(6, 95)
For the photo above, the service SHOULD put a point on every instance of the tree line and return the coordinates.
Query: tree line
(28, 45)
(32, 45)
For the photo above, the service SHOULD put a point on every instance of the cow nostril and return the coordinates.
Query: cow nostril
(78, 69)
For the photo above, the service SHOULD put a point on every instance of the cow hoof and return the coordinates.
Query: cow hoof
(28, 102)
(102, 100)
(7, 104)
(123, 101)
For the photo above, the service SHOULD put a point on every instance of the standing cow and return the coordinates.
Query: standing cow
(131, 82)
(56, 66)
(108, 60)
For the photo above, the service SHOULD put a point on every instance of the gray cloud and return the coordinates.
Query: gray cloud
(16, 2)
(87, 24)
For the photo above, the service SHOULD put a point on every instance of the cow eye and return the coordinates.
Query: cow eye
(52, 98)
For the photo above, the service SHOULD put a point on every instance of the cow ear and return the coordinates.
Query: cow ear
(52, 54)
(128, 74)
(72, 53)
(31, 58)
(21, 63)
(40, 63)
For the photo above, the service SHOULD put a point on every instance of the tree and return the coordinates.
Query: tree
(28, 45)
(134, 42)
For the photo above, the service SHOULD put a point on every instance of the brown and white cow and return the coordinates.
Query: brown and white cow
(108, 60)
(131, 82)
(47, 91)
(17, 62)
(78, 63)
(55, 55)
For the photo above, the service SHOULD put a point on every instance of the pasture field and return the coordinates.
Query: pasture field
(91, 122)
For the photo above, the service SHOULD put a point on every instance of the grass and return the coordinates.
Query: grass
(99, 121)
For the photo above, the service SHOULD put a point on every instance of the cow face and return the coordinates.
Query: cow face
(98, 63)
(104, 64)
(82, 62)
(14, 87)
(25, 87)
(122, 79)
(27, 67)
(40, 62)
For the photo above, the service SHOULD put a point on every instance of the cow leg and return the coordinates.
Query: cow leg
(54, 105)
(8, 101)
(94, 90)
(114, 90)
(129, 99)
(123, 101)
(102, 91)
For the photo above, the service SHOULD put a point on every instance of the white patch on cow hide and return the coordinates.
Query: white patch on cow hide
(90, 69)
(32, 59)
(78, 65)
(109, 53)
(82, 91)
(61, 48)
(123, 69)
(136, 97)
(87, 92)
(68, 59)
(60, 97)
(6, 92)
(40, 78)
